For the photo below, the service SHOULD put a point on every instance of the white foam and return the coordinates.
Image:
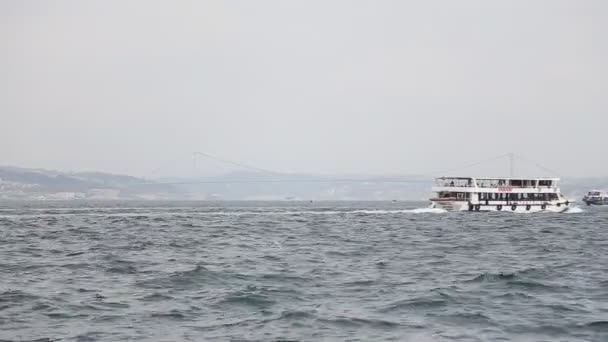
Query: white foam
(575, 210)
(428, 210)
(377, 211)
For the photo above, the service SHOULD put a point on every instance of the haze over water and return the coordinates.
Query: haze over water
(332, 87)
(260, 271)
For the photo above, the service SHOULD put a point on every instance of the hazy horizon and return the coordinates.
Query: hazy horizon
(328, 87)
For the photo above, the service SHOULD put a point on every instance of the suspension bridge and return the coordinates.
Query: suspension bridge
(271, 176)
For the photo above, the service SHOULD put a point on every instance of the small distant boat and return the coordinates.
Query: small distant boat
(499, 194)
(596, 197)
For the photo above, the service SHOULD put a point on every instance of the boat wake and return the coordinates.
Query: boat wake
(399, 211)
(428, 211)
(575, 210)
(145, 213)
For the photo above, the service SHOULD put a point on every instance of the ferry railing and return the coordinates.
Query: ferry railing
(491, 186)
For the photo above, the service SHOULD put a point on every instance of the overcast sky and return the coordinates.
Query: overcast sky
(303, 86)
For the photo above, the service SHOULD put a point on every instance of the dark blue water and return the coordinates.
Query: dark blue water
(299, 271)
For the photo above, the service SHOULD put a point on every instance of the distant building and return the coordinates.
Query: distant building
(105, 194)
(65, 196)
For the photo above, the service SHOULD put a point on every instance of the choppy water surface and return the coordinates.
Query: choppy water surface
(299, 271)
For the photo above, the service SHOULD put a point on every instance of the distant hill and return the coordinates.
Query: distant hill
(24, 183)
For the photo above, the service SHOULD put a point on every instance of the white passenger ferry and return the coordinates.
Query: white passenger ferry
(499, 194)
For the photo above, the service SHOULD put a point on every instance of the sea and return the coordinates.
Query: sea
(299, 271)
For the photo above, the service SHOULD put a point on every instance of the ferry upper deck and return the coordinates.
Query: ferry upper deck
(495, 184)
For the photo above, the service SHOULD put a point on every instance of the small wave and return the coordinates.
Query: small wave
(284, 278)
(76, 266)
(513, 280)
(64, 315)
(114, 305)
(16, 297)
(173, 315)
(195, 276)
(44, 339)
(357, 322)
(127, 269)
(183, 279)
(415, 303)
(41, 307)
(248, 299)
(366, 283)
(530, 285)
(296, 315)
(156, 297)
(545, 330)
(492, 277)
(467, 318)
(230, 324)
(598, 325)
(107, 319)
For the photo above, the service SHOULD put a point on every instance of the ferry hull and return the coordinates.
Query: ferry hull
(519, 208)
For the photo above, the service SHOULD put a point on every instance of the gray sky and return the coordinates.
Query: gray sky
(303, 86)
